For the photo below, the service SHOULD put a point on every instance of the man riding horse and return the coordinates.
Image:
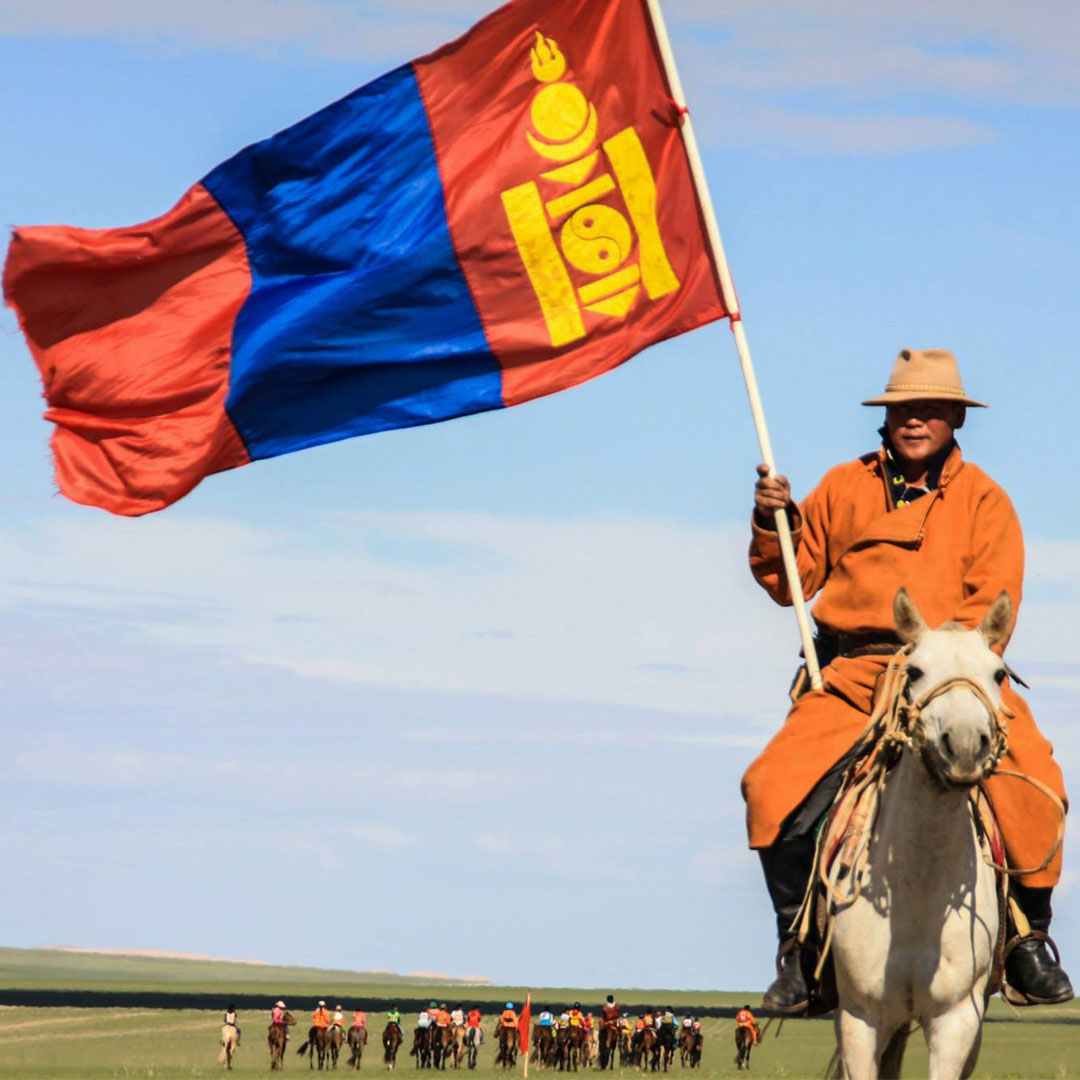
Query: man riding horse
(914, 514)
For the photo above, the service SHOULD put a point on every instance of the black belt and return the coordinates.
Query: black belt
(875, 643)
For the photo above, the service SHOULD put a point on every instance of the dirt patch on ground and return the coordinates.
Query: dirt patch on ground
(65, 1021)
(59, 1036)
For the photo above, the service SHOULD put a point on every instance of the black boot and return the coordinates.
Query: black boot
(787, 865)
(1032, 969)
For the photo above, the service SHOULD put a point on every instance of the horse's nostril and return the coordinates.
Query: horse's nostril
(947, 745)
(984, 745)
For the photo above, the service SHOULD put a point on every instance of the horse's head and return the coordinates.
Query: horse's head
(954, 691)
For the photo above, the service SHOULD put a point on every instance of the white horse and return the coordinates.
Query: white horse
(918, 943)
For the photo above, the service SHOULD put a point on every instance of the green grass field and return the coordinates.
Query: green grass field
(64, 1043)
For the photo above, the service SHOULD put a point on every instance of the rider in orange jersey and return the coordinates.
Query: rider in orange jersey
(509, 1018)
(442, 1017)
(320, 1018)
(474, 1018)
(744, 1018)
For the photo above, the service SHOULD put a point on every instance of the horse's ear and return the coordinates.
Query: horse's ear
(998, 620)
(909, 623)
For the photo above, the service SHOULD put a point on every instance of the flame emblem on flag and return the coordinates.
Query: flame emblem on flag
(595, 238)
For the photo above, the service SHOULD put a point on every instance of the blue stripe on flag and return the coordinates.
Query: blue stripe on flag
(359, 318)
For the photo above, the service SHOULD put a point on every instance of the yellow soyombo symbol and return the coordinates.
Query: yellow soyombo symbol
(595, 238)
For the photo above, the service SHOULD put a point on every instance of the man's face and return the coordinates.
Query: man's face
(919, 429)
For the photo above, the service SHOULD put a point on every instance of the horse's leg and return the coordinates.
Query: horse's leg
(953, 1041)
(973, 1056)
(893, 1055)
(858, 1042)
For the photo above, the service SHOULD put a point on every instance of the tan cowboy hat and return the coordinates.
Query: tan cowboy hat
(926, 375)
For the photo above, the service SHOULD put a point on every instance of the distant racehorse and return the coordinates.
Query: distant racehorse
(667, 1045)
(457, 1045)
(318, 1042)
(357, 1042)
(441, 1046)
(230, 1040)
(421, 1046)
(391, 1040)
(472, 1046)
(649, 1050)
(609, 1042)
(577, 1048)
(335, 1041)
(508, 1047)
(544, 1042)
(686, 1046)
(695, 1053)
(744, 1043)
(275, 1038)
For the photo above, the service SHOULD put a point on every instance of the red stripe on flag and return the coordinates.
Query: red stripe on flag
(131, 331)
(568, 189)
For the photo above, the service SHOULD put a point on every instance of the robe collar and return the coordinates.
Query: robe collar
(901, 493)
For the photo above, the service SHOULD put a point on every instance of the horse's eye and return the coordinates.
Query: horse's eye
(914, 673)
(999, 675)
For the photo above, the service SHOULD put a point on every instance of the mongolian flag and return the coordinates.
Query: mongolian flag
(506, 217)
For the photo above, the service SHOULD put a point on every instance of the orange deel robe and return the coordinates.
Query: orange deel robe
(954, 549)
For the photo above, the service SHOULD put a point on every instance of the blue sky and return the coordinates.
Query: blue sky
(513, 664)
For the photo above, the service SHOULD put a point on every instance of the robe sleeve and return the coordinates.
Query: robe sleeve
(997, 559)
(809, 532)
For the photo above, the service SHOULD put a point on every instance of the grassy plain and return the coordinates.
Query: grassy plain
(65, 1043)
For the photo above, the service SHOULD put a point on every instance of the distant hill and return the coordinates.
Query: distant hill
(72, 968)
(69, 976)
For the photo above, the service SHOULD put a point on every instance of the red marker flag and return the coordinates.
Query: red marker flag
(525, 1025)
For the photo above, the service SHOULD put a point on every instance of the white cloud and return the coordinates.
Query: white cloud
(913, 71)
(758, 125)
(625, 610)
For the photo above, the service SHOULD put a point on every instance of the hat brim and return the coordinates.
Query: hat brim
(899, 397)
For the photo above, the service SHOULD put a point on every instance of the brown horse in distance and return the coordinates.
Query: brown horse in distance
(357, 1042)
(276, 1036)
(649, 1050)
(317, 1042)
(744, 1042)
(391, 1040)
(508, 1047)
(609, 1043)
(686, 1046)
(423, 1038)
(335, 1041)
(577, 1048)
(441, 1046)
(544, 1044)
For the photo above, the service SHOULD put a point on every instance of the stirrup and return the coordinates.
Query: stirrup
(1009, 992)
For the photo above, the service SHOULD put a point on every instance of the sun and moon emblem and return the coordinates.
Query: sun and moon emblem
(562, 117)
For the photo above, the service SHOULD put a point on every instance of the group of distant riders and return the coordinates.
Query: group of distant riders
(568, 1039)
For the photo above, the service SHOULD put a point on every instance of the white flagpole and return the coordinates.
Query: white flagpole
(731, 302)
